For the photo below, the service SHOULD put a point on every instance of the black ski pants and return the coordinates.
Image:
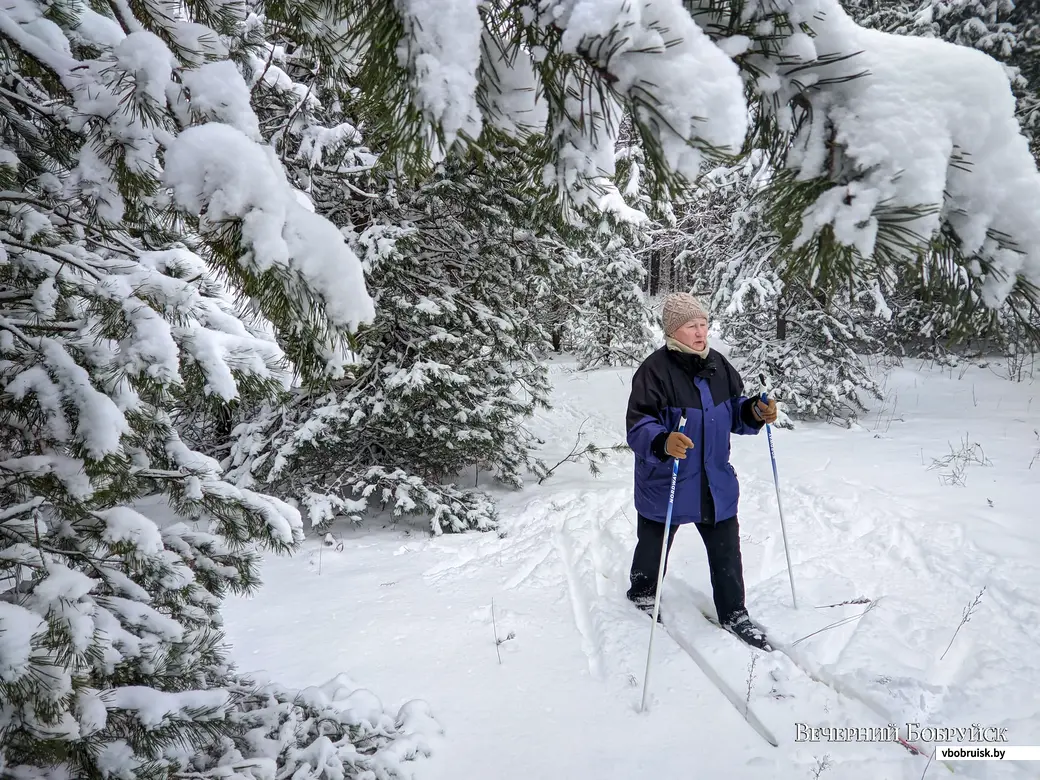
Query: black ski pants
(722, 544)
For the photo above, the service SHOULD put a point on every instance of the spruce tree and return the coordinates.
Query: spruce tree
(475, 282)
(613, 322)
(441, 381)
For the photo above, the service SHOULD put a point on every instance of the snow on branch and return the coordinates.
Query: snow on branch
(915, 134)
(898, 143)
(216, 171)
(685, 91)
(442, 46)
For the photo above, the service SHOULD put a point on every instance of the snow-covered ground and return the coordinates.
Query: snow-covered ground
(871, 513)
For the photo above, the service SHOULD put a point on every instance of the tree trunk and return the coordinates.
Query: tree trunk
(781, 323)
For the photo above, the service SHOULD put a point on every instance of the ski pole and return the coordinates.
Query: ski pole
(776, 482)
(660, 569)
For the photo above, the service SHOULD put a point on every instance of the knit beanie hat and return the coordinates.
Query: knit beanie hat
(680, 308)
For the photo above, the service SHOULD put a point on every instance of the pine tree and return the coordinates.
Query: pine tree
(138, 214)
(929, 315)
(1007, 31)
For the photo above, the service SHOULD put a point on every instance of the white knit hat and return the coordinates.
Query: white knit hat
(680, 308)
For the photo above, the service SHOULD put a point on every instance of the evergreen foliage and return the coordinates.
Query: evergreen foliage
(397, 205)
(1007, 31)
(842, 209)
(443, 378)
(150, 246)
(935, 303)
(613, 323)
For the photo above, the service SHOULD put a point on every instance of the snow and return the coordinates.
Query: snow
(45, 297)
(144, 54)
(441, 47)
(21, 21)
(220, 94)
(218, 168)
(18, 627)
(878, 520)
(62, 584)
(149, 347)
(69, 471)
(93, 714)
(316, 140)
(99, 424)
(686, 91)
(94, 29)
(198, 41)
(514, 100)
(117, 760)
(93, 178)
(931, 123)
(123, 524)
(155, 708)
(696, 89)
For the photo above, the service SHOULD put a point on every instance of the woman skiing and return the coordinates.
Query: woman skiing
(686, 376)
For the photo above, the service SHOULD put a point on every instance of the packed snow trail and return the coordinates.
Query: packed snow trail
(595, 555)
(689, 596)
(592, 538)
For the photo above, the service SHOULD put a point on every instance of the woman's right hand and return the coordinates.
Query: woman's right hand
(677, 444)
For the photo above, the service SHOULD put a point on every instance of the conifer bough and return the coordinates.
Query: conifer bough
(890, 149)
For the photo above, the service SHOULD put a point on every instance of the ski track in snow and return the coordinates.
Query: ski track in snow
(860, 525)
(915, 559)
(592, 555)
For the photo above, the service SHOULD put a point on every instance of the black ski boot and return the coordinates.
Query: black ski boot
(646, 604)
(741, 626)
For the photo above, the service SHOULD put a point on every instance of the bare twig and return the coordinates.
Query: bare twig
(590, 452)
(968, 610)
(859, 600)
(957, 462)
(837, 623)
(750, 683)
(822, 764)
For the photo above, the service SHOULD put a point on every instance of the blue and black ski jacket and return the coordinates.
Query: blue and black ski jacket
(710, 392)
